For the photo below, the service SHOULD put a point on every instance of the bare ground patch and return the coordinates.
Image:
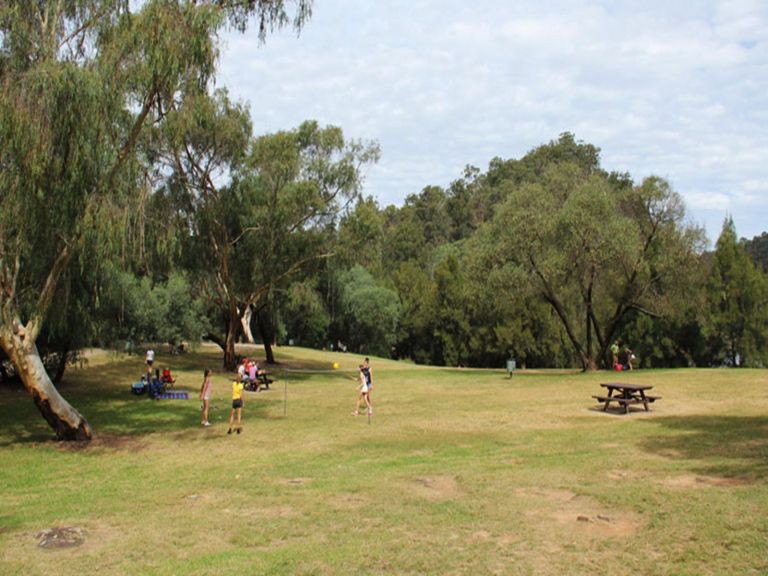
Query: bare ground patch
(549, 494)
(299, 481)
(351, 501)
(560, 511)
(625, 475)
(63, 539)
(273, 512)
(435, 487)
(695, 481)
(602, 525)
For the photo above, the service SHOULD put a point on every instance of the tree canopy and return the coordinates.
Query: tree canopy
(85, 86)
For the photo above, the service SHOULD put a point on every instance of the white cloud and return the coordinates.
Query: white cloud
(675, 89)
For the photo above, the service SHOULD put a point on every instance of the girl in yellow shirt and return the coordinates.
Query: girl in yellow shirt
(237, 405)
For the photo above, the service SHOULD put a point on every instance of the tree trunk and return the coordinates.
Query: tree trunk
(589, 364)
(267, 335)
(230, 357)
(67, 423)
(61, 365)
(246, 322)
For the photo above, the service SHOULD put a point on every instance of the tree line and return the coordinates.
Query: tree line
(548, 259)
(137, 205)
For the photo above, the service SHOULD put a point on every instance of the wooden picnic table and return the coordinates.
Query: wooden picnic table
(626, 395)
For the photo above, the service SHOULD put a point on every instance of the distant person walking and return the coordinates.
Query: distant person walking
(364, 392)
(237, 406)
(205, 396)
(150, 359)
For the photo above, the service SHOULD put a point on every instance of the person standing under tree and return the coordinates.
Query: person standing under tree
(205, 396)
(615, 353)
(150, 359)
(237, 405)
(629, 357)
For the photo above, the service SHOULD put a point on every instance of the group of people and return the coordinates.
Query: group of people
(238, 401)
(249, 374)
(153, 382)
(622, 356)
(248, 371)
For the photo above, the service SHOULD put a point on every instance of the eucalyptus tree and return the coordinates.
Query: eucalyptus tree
(81, 81)
(738, 303)
(260, 210)
(594, 247)
(370, 312)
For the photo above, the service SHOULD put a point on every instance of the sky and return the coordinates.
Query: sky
(673, 88)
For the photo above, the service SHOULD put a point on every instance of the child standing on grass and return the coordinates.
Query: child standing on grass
(364, 392)
(205, 396)
(237, 405)
(368, 373)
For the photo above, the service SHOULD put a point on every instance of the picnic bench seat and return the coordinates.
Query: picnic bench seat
(264, 380)
(618, 399)
(628, 395)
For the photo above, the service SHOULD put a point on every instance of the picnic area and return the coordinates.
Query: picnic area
(460, 471)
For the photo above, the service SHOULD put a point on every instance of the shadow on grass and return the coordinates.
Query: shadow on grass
(116, 413)
(728, 446)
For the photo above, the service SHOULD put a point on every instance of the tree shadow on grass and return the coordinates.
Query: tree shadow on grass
(114, 414)
(726, 446)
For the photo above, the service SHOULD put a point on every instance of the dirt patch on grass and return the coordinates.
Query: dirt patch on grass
(435, 487)
(297, 481)
(270, 512)
(619, 525)
(694, 481)
(549, 494)
(560, 511)
(67, 541)
(625, 475)
(61, 537)
(351, 501)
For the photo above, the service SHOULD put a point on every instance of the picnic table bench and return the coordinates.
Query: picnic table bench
(262, 381)
(626, 395)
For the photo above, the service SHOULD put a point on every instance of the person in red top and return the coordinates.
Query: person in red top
(167, 378)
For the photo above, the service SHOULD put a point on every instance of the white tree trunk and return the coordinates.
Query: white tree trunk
(67, 423)
(246, 322)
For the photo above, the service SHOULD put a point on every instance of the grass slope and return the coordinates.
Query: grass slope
(460, 472)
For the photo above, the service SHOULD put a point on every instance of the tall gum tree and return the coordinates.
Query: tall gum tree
(80, 83)
(258, 209)
(593, 247)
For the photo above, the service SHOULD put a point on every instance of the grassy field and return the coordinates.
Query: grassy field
(460, 472)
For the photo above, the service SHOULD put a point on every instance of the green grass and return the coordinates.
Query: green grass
(460, 472)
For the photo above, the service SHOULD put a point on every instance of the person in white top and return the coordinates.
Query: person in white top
(364, 390)
(205, 396)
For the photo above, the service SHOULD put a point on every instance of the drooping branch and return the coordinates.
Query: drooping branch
(48, 291)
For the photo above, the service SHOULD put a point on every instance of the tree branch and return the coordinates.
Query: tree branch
(48, 291)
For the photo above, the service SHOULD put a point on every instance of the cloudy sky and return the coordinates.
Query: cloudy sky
(673, 88)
